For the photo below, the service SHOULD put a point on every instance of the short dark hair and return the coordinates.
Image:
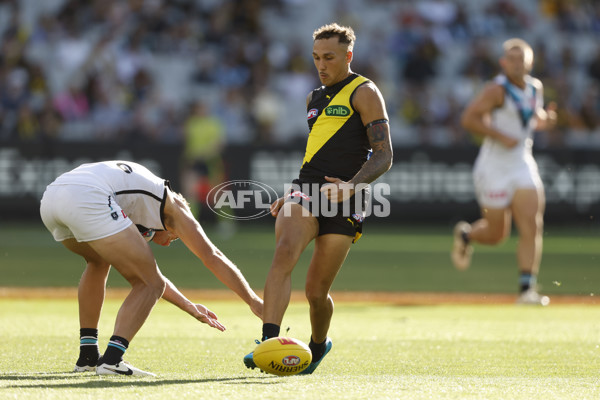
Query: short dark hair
(345, 34)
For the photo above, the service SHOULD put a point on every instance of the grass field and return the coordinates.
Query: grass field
(381, 350)
(393, 259)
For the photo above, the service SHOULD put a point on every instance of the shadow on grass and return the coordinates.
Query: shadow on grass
(48, 380)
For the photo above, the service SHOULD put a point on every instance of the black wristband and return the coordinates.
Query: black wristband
(376, 122)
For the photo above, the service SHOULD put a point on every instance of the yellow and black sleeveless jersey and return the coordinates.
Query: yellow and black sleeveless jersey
(337, 144)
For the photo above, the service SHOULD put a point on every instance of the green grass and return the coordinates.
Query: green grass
(380, 352)
(385, 259)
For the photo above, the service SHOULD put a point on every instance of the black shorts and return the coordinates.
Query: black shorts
(342, 218)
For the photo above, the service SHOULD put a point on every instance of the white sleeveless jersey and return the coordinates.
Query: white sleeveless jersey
(139, 192)
(500, 171)
(517, 119)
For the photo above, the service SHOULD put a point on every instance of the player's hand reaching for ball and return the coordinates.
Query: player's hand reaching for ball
(203, 314)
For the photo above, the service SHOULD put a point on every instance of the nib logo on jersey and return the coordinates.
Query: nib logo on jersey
(241, 199)
(337, 111)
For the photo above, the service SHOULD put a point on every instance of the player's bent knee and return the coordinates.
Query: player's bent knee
(158, 287)
(316, 296)
(496, 236)
(98, 266)
(497, 239)
(287, 251)
(152, 286)
(155, 291)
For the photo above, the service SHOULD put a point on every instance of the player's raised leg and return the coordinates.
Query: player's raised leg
(462, 250)
(328, 257)
(492, 228)
(294, 229)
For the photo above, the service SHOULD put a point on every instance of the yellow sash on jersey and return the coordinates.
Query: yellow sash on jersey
(326, 126)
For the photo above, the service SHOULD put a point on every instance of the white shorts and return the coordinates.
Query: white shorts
(85, 213)
(495, 187)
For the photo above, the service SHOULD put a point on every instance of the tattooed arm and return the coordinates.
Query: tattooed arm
(369, 103)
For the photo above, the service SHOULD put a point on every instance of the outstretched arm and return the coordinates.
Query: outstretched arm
(198, 311)
(180, 221)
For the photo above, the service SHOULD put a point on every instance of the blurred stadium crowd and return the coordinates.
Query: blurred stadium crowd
(239, 70)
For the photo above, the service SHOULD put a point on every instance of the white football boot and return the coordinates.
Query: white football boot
(461, 250)
(121, 368)
(531, 296)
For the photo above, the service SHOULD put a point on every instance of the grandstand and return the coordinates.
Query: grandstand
(105, 69)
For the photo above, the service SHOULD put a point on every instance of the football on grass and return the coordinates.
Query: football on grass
(282, 356)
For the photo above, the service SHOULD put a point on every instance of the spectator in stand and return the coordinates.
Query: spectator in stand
(204, 136)
(593, 68)
(420, 66)
(72, 104)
